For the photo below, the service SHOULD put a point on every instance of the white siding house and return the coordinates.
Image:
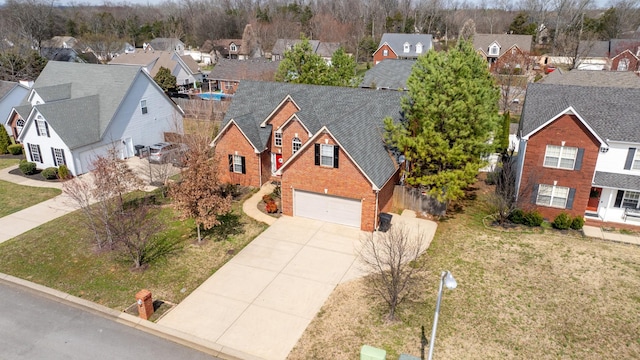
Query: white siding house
(11, 94)
(73, 121)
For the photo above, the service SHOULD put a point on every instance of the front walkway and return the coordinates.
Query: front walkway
(597, 232)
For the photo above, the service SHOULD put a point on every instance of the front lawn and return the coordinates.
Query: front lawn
(60, 254)
(6, 162)
(15, 197)
(523, 295)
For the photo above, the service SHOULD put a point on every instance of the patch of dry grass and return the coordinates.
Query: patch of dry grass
(520, 295)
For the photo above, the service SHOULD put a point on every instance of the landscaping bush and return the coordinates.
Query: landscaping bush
(271, 207)
(15, 149)
(27, 168)
(267, 198)
(63, 172)
(516, 216)
(562, 221)
(577, 223)
(50, 173)
(532, 218)
(5, 141)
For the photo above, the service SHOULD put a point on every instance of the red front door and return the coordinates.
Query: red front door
(594, 199)
(278, 161)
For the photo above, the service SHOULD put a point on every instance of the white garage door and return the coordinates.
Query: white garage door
(327, 208)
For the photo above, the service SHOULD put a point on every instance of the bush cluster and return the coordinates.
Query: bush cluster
(63, 172)
(27, 168)
(15, 149)
(270, 203)
(563, 222)
(50, 173)
(528, 218)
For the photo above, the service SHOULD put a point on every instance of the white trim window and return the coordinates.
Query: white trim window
(42, 128)
(35, 153)
(623, 65)
(406, 47)
(631, 199)
(552, 195)
(494, 50)
(143, 107)
(326, 155)
(277, 139)
(419, 48)
(385, 52)
(233, 47)
(296, 144)
(563, 157)
(237, 164)
(19, 126)
(58, 157)
(635, 164)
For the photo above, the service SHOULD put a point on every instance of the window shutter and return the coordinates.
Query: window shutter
(579, 156)
(30, 154)
(336, 152)
(230, 163)
(37, 127)
(572, 194)
(46, 126)
(630, 155)
(53, 156)
(534, 195)
(64, 159)
(619, 197)
(244, 168)
(39, 153)
(317, 153)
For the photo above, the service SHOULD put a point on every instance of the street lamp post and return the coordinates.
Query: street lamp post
(447, 280)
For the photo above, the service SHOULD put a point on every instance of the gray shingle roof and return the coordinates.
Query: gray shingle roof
(283, 45)
(591, 48)
(506, 41)
(353, 116)
(619, 181)
(396, 43)
(165, 44)
(94, 94)
(611, 112)
(622, 79)
(227, 69)
(388, 74)
(6, 87)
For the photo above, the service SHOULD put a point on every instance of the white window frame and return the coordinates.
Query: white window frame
(629, 198)
(58, 157)
(419, 48)
(277, 139)
(42, 127)
(635, 164)
(406, 47)
(557, 196)
(143, 107)
(237, 164)
(553, 161)
(233, 47)
(35, 154)
(494, 50)
(325, 149)
(19, 126)
(385, 52)
(623, 64)
(296, 144)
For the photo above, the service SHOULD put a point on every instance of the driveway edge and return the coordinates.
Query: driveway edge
(175, 336)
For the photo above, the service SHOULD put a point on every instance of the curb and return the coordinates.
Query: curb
(164, 332)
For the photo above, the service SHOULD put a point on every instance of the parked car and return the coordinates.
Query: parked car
(165, 152)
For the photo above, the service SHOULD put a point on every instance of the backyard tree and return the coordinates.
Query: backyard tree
(302, 66)
(451, 113)
(199, 194)
(342, 70)
(390, 257)
(165, 79)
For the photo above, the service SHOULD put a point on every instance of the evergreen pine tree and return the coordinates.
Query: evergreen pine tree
(5, 141)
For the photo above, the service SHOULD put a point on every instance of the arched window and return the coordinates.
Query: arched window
(19, 126)
(233, 47)
(296, 144)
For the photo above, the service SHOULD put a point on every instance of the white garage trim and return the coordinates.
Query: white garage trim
(327, 208)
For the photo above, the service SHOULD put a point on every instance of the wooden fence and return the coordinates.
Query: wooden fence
(198, 109)
(417, 200)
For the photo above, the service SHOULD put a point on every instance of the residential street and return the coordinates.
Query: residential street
(35, 327)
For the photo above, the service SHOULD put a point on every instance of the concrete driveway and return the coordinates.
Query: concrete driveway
(260, 302)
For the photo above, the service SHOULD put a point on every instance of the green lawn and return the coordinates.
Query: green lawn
(5, 163)
(60, 254)
(15, 197)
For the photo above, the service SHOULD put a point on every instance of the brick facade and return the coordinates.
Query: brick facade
(569, 129)
(378, 55)
(233, 142)
(633, 61)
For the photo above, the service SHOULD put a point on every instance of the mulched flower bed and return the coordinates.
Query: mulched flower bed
(36, 176)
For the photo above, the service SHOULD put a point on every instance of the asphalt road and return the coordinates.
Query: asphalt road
(36, 327)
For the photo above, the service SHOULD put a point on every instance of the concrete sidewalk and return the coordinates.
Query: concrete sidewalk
(596, 232)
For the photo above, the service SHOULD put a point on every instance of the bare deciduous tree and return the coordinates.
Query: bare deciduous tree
(391, 258)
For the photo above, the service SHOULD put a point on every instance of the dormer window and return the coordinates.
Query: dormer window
(407, 47)
(623, 65)
(277, 139)
(233, 47)
(419, 48)
(494, 49)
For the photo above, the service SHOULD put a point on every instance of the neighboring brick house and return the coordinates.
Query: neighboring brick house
(625, 54)
(389, 74)
(323, 143)
(578, 148)
(402, 46)
(492, 47)
(227, 74)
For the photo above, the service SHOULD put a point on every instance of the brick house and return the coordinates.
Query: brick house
(402, 46)
(227, 74)
(493, 47)
(578, 148)
(323, 144)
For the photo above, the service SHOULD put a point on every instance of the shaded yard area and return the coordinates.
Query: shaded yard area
(61, 255)
(524, 294)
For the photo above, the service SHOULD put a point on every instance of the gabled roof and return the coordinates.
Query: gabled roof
(60, 54)
(165, 44)
(612, 112)
(283, 45)
(388, 74)
(154, 60)
(326, 49)
(506, 41)
(618, 46)
(593, 49)
(223, 46)
(89, 97)
(353, 116)
(228, 69)
(396, 42)
(622, 79)
(7, 86)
